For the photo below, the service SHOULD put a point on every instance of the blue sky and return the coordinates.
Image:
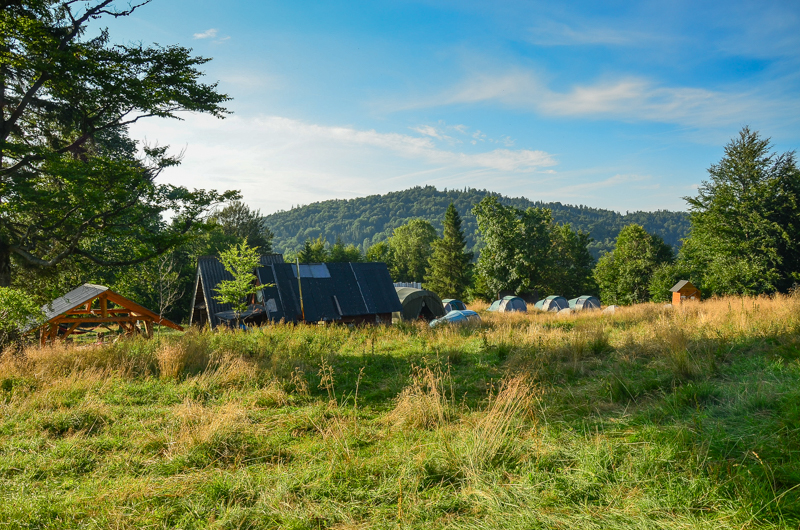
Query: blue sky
(619, 105)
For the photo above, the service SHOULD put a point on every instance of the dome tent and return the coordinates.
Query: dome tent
(451, 304)
(584, 302)
(418, 303)
(509, 304)
(457, 317)
(552, 303)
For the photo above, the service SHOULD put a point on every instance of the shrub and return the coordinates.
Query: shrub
(18, 313)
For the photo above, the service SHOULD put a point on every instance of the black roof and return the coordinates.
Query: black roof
(210, 272)
(330, 290)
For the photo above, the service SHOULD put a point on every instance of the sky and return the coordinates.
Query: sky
(618, 105)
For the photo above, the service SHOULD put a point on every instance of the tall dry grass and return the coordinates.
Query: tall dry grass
(426, 402)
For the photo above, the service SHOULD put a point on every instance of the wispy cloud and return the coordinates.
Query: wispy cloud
(207, 34)
(552, 33)
(625, 98)
(278, 161)
(412, 146)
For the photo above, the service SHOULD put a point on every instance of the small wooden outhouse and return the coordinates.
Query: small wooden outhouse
(684, 290)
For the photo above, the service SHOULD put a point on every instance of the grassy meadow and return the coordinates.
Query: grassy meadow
(650, 417)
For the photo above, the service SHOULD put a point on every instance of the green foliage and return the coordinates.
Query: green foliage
(411, 246)
(237, 220)
(380, 252)
(449, 270)
(18, 313)
(313, 251)
(525, 252)
(571, 272)
(241, 261)
(745, 221)
(318, 251)
(366, 221)
(623, 276)
(72, 184)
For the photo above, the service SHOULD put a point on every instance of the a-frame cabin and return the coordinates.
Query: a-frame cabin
(210, 272)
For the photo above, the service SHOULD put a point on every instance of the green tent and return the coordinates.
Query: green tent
(418, 303)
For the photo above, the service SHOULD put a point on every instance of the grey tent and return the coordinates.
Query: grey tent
(584, 302)
(552, 303)
(418, 304)
(451, 304)
(509, 304)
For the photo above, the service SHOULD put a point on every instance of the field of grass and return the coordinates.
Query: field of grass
(647, 418)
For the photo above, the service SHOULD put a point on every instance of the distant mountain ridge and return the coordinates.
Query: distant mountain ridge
(364, 221)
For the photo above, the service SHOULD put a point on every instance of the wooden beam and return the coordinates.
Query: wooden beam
(92, 320)
(104, 305)
(70, 330)
(128, 304)
(90, 312)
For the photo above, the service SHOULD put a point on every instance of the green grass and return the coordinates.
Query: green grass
(648, 418)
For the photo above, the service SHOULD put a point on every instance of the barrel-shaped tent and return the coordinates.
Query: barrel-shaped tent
(509, 304)
(585, 302)
(418, 304)
(451, 304)
(552, 303)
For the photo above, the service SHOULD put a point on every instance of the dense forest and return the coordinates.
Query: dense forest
(365, 221)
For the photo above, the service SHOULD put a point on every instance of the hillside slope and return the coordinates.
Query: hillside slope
(367, 220)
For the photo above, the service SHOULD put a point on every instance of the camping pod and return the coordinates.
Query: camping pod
(451, 304)
(585, 302)
(552, 303)
(509, 304)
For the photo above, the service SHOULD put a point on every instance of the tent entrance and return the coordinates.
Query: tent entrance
(426, 314)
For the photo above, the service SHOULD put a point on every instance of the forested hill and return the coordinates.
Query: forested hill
(367, 220)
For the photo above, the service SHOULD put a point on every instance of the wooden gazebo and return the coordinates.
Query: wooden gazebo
(90, 306)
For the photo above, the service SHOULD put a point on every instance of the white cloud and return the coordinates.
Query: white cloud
(625, 98)
(552, 33)
(207, 34)
(278, 161)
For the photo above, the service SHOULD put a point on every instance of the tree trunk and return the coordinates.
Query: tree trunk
(5, 264)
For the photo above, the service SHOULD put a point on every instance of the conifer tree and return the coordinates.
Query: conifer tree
(450, 267)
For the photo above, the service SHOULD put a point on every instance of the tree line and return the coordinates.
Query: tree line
(366, 221)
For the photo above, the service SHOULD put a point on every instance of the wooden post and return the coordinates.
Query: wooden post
(104, 306)
(148, 328)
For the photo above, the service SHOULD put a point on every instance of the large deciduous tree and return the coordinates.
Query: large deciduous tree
(411, 249)
(572, 266)
(449, 271)
(236, 219)
(516, 251)
(624, 274)
(72, 183)
(745, 221)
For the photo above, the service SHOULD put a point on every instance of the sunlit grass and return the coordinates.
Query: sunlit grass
(650, 417)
